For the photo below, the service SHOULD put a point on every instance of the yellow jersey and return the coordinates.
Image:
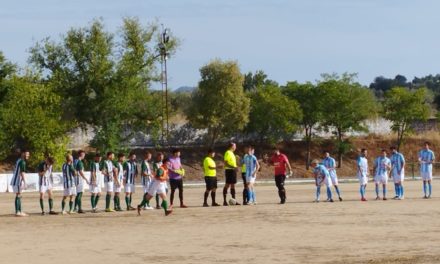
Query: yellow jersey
(207, 163)
(230, 160)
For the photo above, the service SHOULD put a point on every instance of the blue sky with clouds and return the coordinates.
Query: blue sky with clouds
(289, 40)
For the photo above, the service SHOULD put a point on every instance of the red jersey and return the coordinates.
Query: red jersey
(280, 161)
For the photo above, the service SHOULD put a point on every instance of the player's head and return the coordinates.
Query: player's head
(250, 150)
(121, 157)
(50, 160)
(132, 156)
(211, 153)
(314, 163)
(166, 162)
(147, 155)
(384, 152)
(69, 158)
(159, 156)
(98, 157)
(393, 149)
(276, 150)
(81, 154)
(232, 146)
(326, 154)
(426, 145)
(25, 154)
(176, 152)
(364, 152)
(110, 155)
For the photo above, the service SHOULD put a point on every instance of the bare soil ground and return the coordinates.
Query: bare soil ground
(300, 231)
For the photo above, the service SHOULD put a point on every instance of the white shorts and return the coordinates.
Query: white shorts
(250, 179)
(157, 187)
(109, 187)
(381, 179)
(129, 188)
(94, 189)
(426, 176)
(334, 180)
(45, 188)
(17, 188)
(118, 188)
(363, 180)
(80, 188)
(399, 178)
(327, 182)
(70, 191)
(145, 188)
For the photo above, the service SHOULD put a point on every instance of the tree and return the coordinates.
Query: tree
(311, 104)
(219, 103)
(105, 80)
(346, 105)
(31, 118)
(254, 80)
(272, 114)
(403, 107)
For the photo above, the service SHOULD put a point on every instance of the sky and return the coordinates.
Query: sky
(291, 40)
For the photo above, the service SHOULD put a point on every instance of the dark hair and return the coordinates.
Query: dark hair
(131, 154)
(109, 153)
(231, 144)
(165, 160)
(427, 143)
(393, 147)
(81, 152)
(384, 150)
(363, 150)
(326, 151)
(147, 153)
(97, 155)
(174, 151)
(50, 160)
(276, 148)
(24, 151)
(120, 155)
(210, 151)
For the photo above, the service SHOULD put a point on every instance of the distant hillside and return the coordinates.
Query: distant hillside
(185, 89)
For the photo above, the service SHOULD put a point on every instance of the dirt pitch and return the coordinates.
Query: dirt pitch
(298, 232)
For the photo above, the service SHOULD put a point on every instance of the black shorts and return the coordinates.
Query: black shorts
(176, 184)
(211, 183)
(230, 176)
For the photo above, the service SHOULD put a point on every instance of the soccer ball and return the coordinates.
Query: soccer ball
(232, 201)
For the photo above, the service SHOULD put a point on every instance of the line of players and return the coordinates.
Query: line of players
(384, 167)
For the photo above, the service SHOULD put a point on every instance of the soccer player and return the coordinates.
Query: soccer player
(243, 176)
(330, 165)
(382, 166)
(362, 173)
(209, 169)
(426, 158)
(252, 166)
(18, 181)
(95, 182)
(130, 172)
(79, 180)
(322, 176)
(156, 165)
(69, 174)
(119, 182)
(147, 179)
(110, 172)
(398, 172)
(158, 186)
(281, 163)
(45, 183)
(175, 175)
(230, 172)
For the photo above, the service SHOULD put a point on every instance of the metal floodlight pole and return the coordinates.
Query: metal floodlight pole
(164, 78)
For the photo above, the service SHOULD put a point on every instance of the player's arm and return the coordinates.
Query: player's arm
(257, 168)
(80, 168)
(288, 165)
(125, 169)
(115, 175)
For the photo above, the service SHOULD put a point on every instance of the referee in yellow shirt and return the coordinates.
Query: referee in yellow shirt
(230, 172)
(210, 172)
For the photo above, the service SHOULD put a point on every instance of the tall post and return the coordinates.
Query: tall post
(164, 79)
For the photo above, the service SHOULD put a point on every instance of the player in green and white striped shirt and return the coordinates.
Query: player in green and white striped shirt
(45, 183)
(95, 182)
(130, 173)
(119, 181)
(110, 172)
(69, 174)
(18, 181)
(79, 181)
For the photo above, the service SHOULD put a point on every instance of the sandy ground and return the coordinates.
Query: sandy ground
(298, 232)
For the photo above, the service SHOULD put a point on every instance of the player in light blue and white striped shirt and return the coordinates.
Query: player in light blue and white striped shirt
(362, 173)
(426, 158)
(382, 166)
(330, 165)
(398, 172)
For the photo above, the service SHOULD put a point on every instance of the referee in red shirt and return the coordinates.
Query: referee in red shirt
(281, 163)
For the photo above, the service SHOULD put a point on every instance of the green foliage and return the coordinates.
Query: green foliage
(30, 117)
(219, 103)
(403, 107)
(346, 105)
(272, 114)
(254, 80)
(106, 91)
